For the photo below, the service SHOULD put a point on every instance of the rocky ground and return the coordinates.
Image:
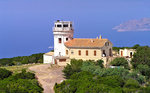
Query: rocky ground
(48, 76)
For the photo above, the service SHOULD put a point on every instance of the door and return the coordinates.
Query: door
(55, 61)
(110, 53)
(121, 53)
(131, 54)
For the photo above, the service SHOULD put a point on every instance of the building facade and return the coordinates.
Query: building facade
(66, 47)
(128, 53)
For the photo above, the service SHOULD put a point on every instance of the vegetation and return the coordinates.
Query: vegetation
(142, 56)
(4, 73)
(35, 58)
(134, 47)
(120, 61)
(23, 82)
(91, 77)
(18, 68)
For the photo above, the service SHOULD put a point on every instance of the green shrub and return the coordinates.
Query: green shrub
(24, 75)
(120, 62)
(74, 66)
(4, 73)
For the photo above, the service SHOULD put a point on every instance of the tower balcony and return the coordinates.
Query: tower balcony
(62, 29)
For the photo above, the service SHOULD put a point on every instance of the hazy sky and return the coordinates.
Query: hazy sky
(26, 25)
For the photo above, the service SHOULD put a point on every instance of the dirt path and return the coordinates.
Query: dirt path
(48, 76)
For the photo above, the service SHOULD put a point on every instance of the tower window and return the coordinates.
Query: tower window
(95, 53)
(66, 39)
(59, 25)
(70, 25)
(79, 52)
(65, 25)
(86, 52)
(59, 40)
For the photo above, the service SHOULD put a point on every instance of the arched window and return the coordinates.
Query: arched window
(107, 44)
(66, 39)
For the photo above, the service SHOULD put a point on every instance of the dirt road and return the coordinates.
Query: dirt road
(48, 76)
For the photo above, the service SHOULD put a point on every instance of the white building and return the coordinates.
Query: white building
(48, 57)
(66, 47)
(63, 32)
(128, 53)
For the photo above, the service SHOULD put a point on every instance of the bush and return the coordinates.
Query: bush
(136, 76)
(120, 62)
(35, 58)
(100, 63)
(74, 66)
(144, 69)
(20, 86)
(23, 82)
(24, 75)
(142, 56)
(4, 73)
(85, 82)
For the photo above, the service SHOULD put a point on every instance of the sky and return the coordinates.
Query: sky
(26, 25)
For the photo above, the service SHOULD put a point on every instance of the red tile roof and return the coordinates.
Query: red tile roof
(86, 43)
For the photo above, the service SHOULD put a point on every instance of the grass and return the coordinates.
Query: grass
(18, 69)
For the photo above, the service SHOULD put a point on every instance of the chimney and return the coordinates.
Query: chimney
(100, 37)
(92, 40)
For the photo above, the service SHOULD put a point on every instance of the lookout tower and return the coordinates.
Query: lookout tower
(63, 32)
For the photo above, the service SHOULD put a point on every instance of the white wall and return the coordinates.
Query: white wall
(126, 52)
(47, 59)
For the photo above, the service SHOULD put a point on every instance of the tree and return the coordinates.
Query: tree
(4, 73)
(120, 61)
(74, 66)
(144, 69)
(142, 56)
(131, 86)
(100, 63)
(24, 75)
(136, 76)
(136, 46)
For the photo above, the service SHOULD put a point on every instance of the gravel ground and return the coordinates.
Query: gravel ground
(48, 76)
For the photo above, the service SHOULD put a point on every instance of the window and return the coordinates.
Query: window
(62, 60)
(72, 52)
(59, 40)
(107, 44)
(131, 54)
(95, 53)
(79, 52)
(104, 54)
(59, 25)
(86, 52)
(66, 52)
(110, 52)
(70, 25)
(66, 39)
(65, 25)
